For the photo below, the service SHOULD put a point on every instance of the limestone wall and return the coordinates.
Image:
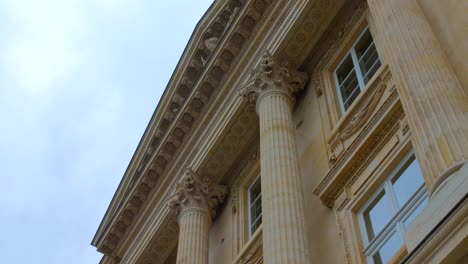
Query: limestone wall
(450, 24)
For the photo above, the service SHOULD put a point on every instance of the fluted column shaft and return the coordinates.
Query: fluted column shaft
(195, 200)
(433, 99)
(194, 226)
(273, 88)
(284, 232)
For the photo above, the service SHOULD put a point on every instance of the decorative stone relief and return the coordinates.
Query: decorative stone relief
(316, 80)
(343, 236)
(343, 134)
(353, 144)
(332, 39)
(366, 108)
(234, 201)
(254, 253)
(271, 74)
(211, 43)
(184, 108)
(306, 31)
(196, 191)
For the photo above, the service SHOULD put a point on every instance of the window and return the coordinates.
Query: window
(356, 69)
(255, 206)
(391, 209)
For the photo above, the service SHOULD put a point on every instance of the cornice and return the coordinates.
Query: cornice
(330, 42)
(195, 80)
(230, 128)
(304, 28)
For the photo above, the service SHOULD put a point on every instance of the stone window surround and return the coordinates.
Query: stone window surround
(359, 75)
(349, 206)
(252, 221)
(245, 245)
(246, 182)
(327, 74)
(416, 199)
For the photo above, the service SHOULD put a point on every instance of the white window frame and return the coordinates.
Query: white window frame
(357, 68)
(396, 224)
(257, 180)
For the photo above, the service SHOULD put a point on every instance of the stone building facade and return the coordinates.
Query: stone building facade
(305, 131)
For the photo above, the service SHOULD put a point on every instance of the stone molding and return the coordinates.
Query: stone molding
(162, 244)
(195, 192)
(252, 253)
(350, 156)
(271, 75)
(333, 38)
(362, 109)
(182, 107)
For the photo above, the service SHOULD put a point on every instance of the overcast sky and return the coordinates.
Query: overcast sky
(79, 81)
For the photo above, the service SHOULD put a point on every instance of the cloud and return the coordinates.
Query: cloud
(79, 80)
(42, 50)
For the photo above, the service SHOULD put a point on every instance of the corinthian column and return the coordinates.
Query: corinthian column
(195, 201)
(284, 229)
(433, 99)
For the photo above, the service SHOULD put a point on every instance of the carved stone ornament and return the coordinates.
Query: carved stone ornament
(273, 75)
(194, 191)
(211, 43)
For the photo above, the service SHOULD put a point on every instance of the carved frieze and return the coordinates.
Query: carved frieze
(308, 28)
(192, 93)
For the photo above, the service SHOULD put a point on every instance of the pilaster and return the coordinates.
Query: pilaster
(432, 97)
(436, 107)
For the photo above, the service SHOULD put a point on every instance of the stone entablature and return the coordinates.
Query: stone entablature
(355, 147)
(204, 72)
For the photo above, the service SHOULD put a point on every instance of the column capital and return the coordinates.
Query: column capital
(271, 75)
(195, 192)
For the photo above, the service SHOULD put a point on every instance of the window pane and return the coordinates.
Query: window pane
(255, 190)
(415, 213)
(408, 182)
(348, 82)
(363, 44)
(343, 72)
(374, 65)
(367, 55)
(349, 91)
(378, 214)
(255, 205)
(388, 250)
(256, 209)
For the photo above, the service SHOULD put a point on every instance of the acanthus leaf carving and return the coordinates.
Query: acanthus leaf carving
(317, 83)
(271, 74)
(195, 191)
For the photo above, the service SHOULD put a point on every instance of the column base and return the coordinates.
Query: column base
(439, 234)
